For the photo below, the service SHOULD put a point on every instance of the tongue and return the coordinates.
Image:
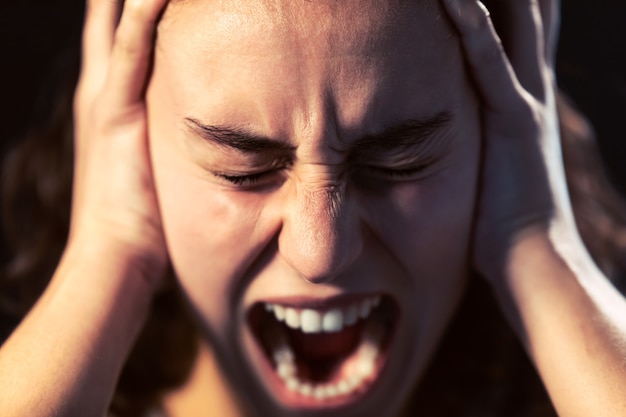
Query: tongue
(322, 346)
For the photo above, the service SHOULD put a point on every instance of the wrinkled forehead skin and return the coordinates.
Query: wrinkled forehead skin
(321, 51)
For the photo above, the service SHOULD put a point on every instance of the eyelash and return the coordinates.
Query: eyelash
(250, 180)
(245, 180)
(398, 173)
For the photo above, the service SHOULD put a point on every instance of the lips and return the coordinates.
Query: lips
(324, 352)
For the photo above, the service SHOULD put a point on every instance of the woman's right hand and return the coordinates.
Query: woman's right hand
(65, 357)
(114, 206)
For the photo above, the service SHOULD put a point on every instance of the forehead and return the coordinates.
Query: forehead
(309, 53)
(359, 24)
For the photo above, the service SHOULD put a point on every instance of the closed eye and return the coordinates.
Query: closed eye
(247, 181)
(243, 180)
(397, 173)
(253, 181)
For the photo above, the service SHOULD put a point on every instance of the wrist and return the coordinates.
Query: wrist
(530, 267)
(104, 281)
(122, 264)
(495, 264)
(569, 317)
(80, 332)
(540, 266)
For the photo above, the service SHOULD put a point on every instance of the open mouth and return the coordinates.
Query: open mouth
(327, 352)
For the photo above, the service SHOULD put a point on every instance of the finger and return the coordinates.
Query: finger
(484, 54)
(550, 15)
(526, 45)
(101, 17)
(132, 51)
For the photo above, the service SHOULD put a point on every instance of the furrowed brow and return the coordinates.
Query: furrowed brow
(412, 133)
(237, 138)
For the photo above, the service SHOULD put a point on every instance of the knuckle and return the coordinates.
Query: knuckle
(525, 107)
(123, 46)
(525, 117)
(137, 10)
(130, 36)
(108, 122)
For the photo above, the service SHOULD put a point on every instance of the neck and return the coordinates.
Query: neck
(205, 393)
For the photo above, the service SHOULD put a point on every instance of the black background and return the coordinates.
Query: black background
(591, 69)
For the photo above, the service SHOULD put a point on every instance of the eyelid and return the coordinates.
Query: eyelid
(241, 180)
(407, 168)
(394, 174)
(413, 168)
(400, 163)
(249, 180)
(399, 171)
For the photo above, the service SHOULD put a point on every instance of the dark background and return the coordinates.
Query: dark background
(591, 69)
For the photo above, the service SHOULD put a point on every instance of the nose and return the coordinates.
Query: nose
(321, 234)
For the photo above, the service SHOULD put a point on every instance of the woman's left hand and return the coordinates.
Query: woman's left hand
(572, 321)
(523, 188)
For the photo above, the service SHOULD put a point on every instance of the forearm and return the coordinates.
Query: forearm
(65, 357)
(574, 324)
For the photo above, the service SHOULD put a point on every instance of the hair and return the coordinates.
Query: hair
(479, 369)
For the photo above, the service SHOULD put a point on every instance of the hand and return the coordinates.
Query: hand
(523, 188)
(114, 207)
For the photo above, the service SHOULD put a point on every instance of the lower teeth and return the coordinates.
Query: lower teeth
(357, 374)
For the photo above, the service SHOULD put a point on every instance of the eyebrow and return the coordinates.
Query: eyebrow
(413, 132)
(238, 138)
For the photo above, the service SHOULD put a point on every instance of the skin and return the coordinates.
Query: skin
(65, 357)
(328, 223)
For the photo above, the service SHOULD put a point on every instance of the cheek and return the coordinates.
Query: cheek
(428, 229)
(429, 226)
(210, 233)
(200, 231)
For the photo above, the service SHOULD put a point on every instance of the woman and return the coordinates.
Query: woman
(321, 177)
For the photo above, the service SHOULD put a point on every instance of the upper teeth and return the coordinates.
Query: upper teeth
(315, 321)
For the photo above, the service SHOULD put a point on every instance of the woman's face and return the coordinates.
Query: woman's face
(316, 166)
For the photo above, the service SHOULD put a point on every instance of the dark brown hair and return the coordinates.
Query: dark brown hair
(480, 368)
